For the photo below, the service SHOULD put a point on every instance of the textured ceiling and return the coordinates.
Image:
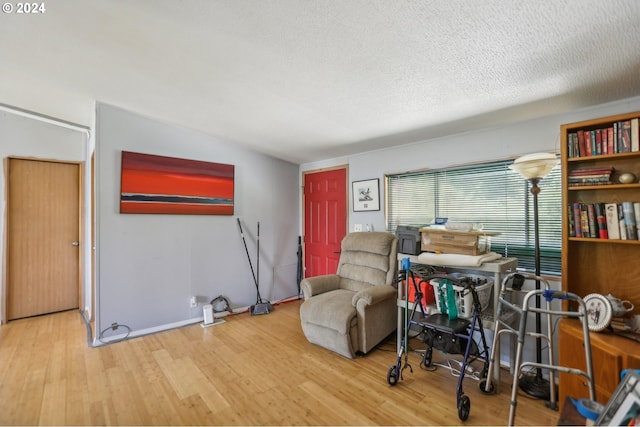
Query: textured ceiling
(305, 80)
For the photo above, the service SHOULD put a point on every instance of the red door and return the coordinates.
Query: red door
(325, 220)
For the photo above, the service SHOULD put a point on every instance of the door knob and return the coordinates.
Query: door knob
(75, 243)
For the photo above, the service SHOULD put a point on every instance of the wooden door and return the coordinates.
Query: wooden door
(325, 220)
(43, 220)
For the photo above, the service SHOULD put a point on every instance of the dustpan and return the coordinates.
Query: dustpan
(261, 308)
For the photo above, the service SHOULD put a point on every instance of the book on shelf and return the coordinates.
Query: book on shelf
(571, 221)
(573, 145)
(581, 144)
(625, 136)
(635, 134)
(601, 221)
(602, 170)
(591, 217)
(610, 141)
(584, 220)
(636, 211)
(613, 227)
(621, 226)
(629, 218)
(589, 144)
(577, 219)
(605, 148)
(586, 183)
(595, 177)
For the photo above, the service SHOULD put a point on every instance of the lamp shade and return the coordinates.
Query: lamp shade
(536, 165)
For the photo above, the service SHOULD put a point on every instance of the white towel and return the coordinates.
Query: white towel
(456, 260)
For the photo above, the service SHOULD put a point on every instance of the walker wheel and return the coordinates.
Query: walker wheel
(464, 406)
(426, 358)
(392, 375)
(483, 384)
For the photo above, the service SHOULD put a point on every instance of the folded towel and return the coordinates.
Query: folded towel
(456, 260)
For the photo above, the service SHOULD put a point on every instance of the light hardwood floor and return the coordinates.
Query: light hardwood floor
(251, 370)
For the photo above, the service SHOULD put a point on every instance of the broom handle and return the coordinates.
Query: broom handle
(258, 263)
(253, 274)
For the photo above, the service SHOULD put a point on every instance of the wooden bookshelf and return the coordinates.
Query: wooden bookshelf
(598, 265)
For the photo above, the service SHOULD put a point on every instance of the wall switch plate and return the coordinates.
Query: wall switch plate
(357, 227)
(194, 302)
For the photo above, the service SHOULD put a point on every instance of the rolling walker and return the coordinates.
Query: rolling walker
(446, 332)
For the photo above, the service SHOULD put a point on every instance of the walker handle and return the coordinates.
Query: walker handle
(550, 294)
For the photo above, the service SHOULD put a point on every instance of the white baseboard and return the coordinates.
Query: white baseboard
(141, 332)
(97, 342)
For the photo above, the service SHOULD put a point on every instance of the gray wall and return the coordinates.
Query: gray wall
(26, 137)
(148, 266)
(473, 147)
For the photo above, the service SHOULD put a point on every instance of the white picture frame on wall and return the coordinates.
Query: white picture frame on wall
(366, 195)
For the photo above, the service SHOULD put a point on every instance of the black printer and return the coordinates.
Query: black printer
(409, 241)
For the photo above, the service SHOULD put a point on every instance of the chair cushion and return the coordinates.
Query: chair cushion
(356, 277)
(332, 310)
(366, 259)
(374, 242)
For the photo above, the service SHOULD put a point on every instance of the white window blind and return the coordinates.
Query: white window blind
(489, 195)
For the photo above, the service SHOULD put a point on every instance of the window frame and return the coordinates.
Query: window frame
(513, 197)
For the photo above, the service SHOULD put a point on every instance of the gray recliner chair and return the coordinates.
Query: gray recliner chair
(355, 309)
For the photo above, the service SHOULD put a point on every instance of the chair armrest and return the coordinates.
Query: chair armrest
(374, 294)
(319, 284)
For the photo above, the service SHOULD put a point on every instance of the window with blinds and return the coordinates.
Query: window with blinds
(490, 196)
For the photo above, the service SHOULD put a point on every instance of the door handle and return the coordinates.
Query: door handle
(75, 243)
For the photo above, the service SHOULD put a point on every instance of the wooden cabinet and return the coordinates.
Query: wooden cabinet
(610, 355)
(594, 264)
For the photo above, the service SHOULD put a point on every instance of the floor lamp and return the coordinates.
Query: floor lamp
(534, 167)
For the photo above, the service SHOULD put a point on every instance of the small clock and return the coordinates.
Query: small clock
(599, 312)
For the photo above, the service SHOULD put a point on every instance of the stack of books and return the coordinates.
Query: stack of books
(590, 176)
(620, 137)
(618, 221)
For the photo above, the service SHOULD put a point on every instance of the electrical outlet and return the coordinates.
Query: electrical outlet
(357, 227)
(194, 302)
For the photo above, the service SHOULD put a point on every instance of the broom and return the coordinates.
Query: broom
(261, 306)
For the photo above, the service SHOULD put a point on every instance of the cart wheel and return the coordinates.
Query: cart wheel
(464, 406)
(483, 384)
(426, 357)
(392, 375)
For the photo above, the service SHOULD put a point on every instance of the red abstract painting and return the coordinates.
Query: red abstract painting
(152, 184)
